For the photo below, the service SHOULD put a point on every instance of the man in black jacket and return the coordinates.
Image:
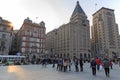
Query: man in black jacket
(81, 64)
(93, 66)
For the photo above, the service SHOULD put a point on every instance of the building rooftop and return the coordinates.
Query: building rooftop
(102, 9)
(78, 9)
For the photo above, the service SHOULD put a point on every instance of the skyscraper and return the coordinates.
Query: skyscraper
(105, 33)
(72, 39)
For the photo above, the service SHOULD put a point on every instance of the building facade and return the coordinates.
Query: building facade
(72, 39)
(105, 40)
(6, 29)
(31, 38)
(14, 49)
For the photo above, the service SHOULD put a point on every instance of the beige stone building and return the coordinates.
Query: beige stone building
(105, 41)
(6, 29)
(31, 38)
(72, 39)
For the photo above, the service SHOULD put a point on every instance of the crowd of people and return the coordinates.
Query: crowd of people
(64, 64)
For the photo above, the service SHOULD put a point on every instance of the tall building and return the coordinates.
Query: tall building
(31, 38)
(6, 29)
(105, 33)
(72, 39)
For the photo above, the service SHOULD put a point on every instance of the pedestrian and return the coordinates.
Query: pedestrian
(60, 62)
(53, 62)
(65, 65)
(44, 62)
(98, 63)
(101, 65)
(69, 63)
(111, 64)
(93, 66)
(106, 67)
(81, 64)
(76, 65)
(58, 65)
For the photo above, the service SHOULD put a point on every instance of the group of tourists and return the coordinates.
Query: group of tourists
(99, 64)
(64, 64)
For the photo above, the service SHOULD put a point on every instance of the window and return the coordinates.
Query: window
(3, 35)
(85, 55)
(2, 48)
(81, 55)
(67, 54)
(100, 17)
(24, 38)
(23, 50)
(83, 22)
(4, 28)
(108, 13)
(23, 43)
(35, 31)
(88, 55)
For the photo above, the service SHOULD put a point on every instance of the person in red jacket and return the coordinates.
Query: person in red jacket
(98, 63)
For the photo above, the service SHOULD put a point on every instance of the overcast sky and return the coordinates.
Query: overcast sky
(53, 12)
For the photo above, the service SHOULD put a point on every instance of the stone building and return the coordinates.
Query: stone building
(6, 29)
(105, 34)
(31, 38)
(71, 39)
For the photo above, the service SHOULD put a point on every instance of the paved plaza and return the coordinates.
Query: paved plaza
(37, 72)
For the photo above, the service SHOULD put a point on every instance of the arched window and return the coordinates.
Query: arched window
(85, 55)
(60, 55)
(64, 55)
(88, 55)
(67, 54)
(81, 56)
(74, 54)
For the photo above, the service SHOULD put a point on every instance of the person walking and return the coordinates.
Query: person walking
(93, 66)
(111, 64)
(69, 63)
(65, 65)
(76, 65)
(58, 65)
(53, 62)
(106, 67)
(60, 62)
(98, 63)
(81, 64)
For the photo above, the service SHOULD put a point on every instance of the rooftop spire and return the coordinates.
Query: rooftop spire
(77, 2)
(78, 9)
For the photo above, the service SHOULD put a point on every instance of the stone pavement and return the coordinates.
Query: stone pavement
(37, 72)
